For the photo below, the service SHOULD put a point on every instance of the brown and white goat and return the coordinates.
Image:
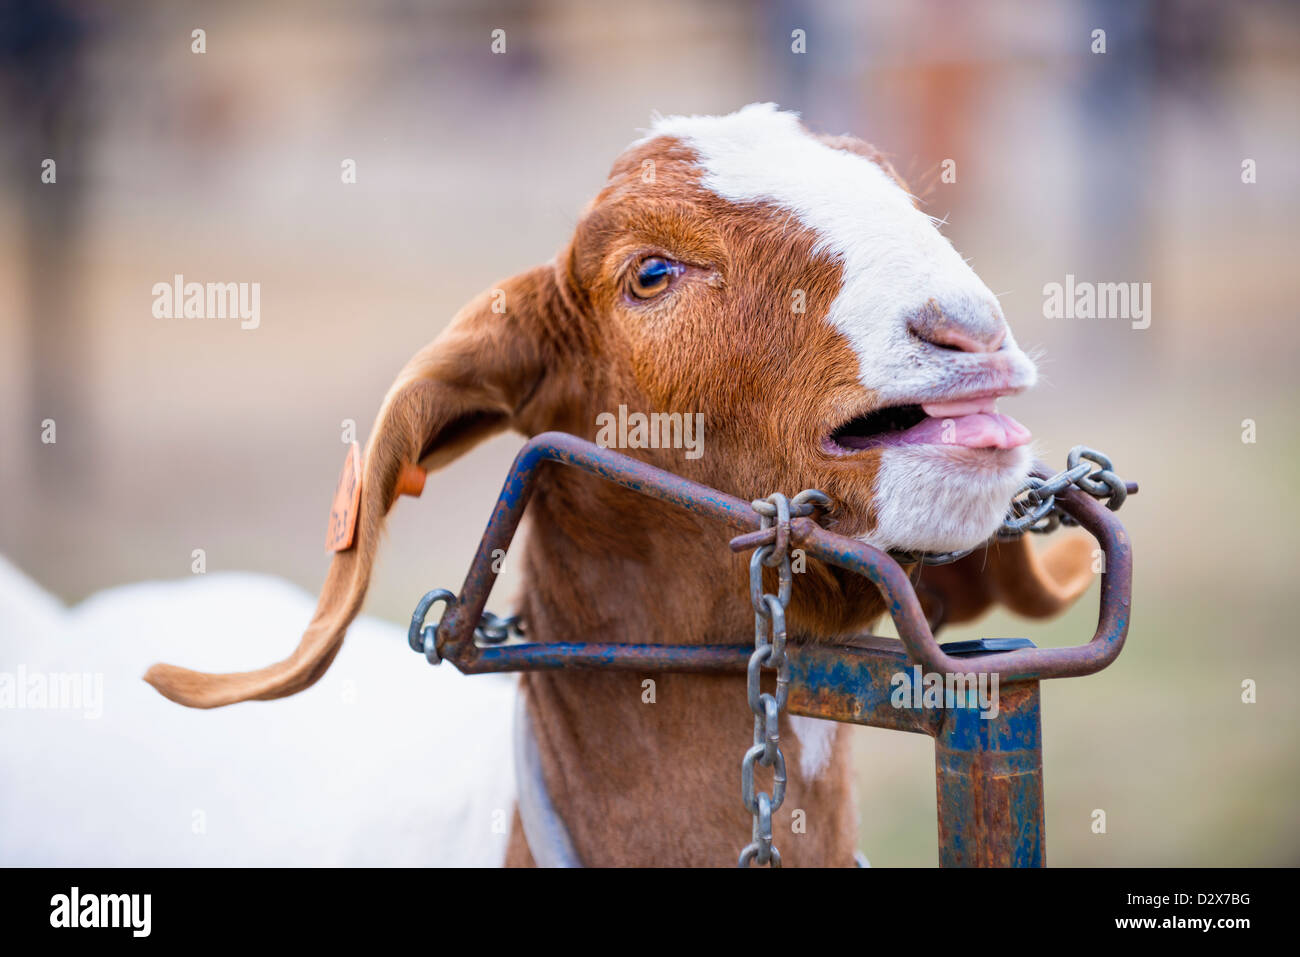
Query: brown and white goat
(786, 286)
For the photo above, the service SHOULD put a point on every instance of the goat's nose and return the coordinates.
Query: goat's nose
(962, 326)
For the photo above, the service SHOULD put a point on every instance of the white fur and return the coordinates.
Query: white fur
(816, 740)
(895, 261)
(940, 498)
(386, 761)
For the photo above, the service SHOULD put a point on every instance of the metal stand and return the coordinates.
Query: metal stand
(989, 769)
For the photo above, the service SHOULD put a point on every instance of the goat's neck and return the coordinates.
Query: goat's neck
(644, 767)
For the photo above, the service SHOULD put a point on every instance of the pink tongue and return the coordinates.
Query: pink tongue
(972, 430)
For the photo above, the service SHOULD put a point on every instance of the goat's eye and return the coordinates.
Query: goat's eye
(652, 276)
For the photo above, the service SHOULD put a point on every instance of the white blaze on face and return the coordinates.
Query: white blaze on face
(894, 262)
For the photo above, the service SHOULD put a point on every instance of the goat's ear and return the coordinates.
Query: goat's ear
(471, 382)
(1011, 573)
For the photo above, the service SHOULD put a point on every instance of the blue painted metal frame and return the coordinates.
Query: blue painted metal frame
(988, 769)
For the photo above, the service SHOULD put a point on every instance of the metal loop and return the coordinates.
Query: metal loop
(776, 615)
(1090, 483)
(747, 790)
(747, 777)
(784, 576)
(1059, 482)
(1032, 509)
(784, 581)
(415, 634)
(751, 852)
(778, 781)
(781, 547)
(808, 501)
(496, 629)
(1049, 524)
(1116, 488)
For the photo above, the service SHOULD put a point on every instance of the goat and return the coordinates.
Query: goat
(97, 776)
(785, 286)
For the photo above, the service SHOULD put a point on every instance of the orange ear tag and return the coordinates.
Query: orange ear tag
(347, 498)
(347, 501)
(410, 481)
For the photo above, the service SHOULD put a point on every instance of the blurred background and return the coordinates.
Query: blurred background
(1122, 166)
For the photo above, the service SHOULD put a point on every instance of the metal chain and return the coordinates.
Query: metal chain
(497, 629)
(490, 630)
(769, 651)
(1034, 507)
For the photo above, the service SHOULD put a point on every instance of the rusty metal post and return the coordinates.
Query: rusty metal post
(989, 779)
(988, 770)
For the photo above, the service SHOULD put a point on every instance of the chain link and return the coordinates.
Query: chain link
(497, 629)
(1034, 507)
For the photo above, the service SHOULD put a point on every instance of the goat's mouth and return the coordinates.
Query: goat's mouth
(972, 423)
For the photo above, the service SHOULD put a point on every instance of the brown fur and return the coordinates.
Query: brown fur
(652, 783)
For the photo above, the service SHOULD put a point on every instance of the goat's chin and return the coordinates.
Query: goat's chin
(938, 498)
